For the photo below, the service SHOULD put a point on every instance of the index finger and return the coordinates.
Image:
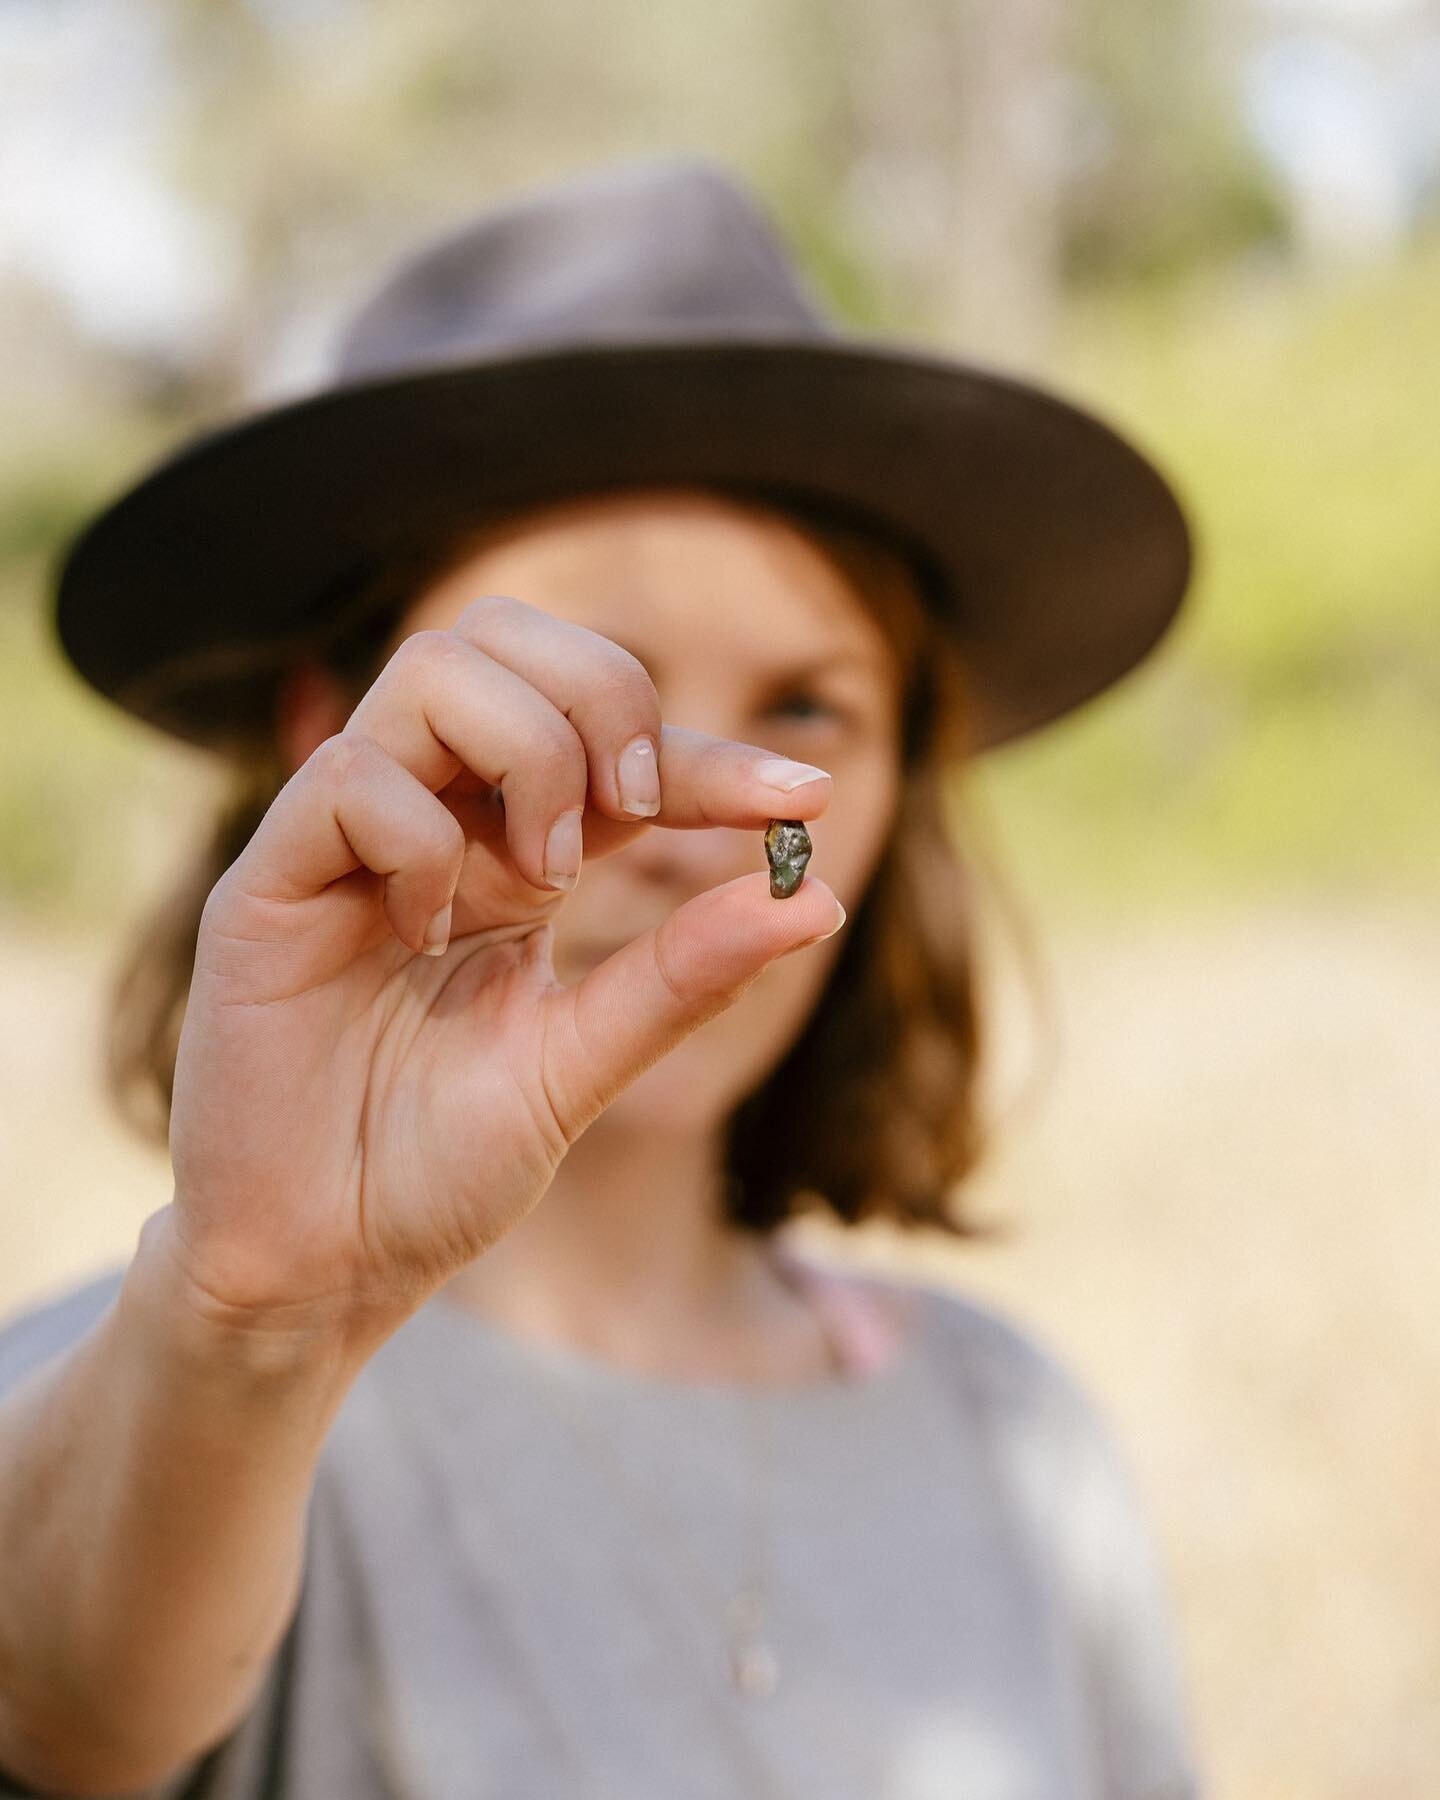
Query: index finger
(609, 698)
(707, 780)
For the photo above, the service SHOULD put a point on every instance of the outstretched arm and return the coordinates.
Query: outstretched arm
(153, 1488)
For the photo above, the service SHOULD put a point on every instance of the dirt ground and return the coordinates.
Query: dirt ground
(1226, 1204)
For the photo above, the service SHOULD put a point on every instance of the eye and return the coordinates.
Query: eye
(803, 703)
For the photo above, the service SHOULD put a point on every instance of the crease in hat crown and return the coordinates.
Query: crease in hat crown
(646, 250)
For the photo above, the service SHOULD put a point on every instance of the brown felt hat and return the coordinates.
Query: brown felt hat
(640, 323)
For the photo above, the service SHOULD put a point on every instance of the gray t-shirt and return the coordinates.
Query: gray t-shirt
(519, 1559)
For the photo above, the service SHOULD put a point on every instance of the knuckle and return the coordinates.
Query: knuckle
(346, 756)
(425, 653)
(447, 838)
(549, 1114)
(487, 609)
(556, 754)
(405, 657)
(216, 901)
(622, 680)
(679, 991)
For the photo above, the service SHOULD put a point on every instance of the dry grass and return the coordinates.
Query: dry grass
(1228, 1213)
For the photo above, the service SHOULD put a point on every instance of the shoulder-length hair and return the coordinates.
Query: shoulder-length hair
(875, 1111)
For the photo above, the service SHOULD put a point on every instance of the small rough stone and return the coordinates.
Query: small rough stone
(787, 850)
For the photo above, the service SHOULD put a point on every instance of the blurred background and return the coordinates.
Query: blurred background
(1215, 221)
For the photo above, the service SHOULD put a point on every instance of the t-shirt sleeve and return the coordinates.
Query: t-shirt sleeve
(1069, 1477)
(1126, 1617)
(238, 1768)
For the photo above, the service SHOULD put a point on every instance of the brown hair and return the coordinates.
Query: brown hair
(874, 1112)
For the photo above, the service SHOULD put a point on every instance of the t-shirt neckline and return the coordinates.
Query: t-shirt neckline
(470, 1332)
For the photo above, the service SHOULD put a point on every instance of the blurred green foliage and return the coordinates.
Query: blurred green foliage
(85, 793)
(1286, 734)
(1163, 178)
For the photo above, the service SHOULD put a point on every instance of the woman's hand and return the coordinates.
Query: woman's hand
(360, 1110)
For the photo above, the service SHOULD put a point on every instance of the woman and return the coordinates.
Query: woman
(373, 1474)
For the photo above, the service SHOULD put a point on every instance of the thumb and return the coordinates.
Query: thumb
(651, 994)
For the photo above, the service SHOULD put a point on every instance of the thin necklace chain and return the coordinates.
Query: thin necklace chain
(754, 1667)
(757, 1780)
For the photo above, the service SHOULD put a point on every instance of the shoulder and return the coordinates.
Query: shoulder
(34, 1334)
(1054, 1444)
(1001, 1362)
(998, 1366)
(1062, 1467)
(1012, 1389)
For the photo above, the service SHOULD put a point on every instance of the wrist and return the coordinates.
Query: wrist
(314, 1345)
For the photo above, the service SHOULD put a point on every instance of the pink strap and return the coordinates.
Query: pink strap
(868, 1333)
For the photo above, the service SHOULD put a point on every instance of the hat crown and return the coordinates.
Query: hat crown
(661, 248)
(638, 325)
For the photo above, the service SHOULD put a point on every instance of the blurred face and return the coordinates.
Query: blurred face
(749, 632)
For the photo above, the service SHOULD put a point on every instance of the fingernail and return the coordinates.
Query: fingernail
(780, 773)
(639, 779)
(437, 932)
(563, 849)
(805, 943)
(834, 928)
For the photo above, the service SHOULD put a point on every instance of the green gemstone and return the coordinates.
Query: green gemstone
(787, 850)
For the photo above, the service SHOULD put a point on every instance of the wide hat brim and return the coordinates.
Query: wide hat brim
(1064, 553)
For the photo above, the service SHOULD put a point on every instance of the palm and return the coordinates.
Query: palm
(459, 1137)
(354, 1121)
(400, 1100)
